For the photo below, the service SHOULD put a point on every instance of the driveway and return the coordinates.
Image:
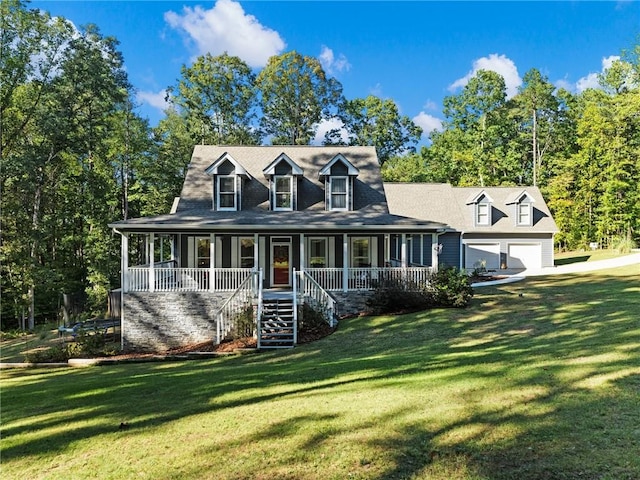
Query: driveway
(578, 267)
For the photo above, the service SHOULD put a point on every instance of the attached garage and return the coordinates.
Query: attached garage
(524, 255)
(487, 254)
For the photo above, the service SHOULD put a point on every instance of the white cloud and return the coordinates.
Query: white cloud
(330, 63)
(591, 80)
(326, 125)
(154, 99)
(496, 63)
(428, 123)
(227, 28)
(564, 83)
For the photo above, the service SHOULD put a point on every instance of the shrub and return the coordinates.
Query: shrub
(243, 323)
(449, 287)
(394, 296)
(623, 245)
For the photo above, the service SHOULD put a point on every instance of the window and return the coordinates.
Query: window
(524, 213)
(246, 252)
(482, 213)
(360, 252)
(203, 257)
(282, 193)
(317, 252)
(226, 192)
(338, 198)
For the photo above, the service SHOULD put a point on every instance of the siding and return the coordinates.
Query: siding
(450, 254)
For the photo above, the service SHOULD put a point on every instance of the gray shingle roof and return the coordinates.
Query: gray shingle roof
(195, 207)
(443, 203)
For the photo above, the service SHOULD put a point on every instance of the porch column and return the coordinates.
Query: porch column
(124, 257)
(152, 256)
(345, 262)
(403, 251)
(302, 255)
(434, 251)
(212, 261)
(387, 250)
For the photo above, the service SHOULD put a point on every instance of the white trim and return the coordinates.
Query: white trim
(351, 170)
(345, 193)
(274, 193)
(234, 193)
(281, 241)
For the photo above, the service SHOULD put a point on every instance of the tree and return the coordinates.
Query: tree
(218, 97)
(375, 122)
(535, 108)
(296, 95)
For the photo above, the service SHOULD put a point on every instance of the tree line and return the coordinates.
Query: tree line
(76, 155)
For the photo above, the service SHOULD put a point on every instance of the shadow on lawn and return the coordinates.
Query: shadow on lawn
(554, 422)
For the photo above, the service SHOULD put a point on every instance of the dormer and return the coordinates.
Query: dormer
(482, 206)
(283, 174)
(228, 176)
(523, 208)
(339, 176)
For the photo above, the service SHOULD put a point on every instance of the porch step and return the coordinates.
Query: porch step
(277, 325)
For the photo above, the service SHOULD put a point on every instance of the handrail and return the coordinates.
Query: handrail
(366, 278)
(318, 297)
(295, 308)
(241, 298)
(259, 312)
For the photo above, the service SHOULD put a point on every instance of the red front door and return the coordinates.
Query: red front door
(281, 265)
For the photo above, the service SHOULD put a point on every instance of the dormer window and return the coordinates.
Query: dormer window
(226, 192)
(282, 192)
(339, 193)
(339, 175)
(482, 206)
(283, 174)
(523, 205)
(482, 213)
(227, 183)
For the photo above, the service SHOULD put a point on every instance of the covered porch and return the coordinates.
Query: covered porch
(218, 262)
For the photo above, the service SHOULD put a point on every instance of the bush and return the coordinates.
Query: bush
(623, 245)
(449, 287)
(394, 296)
(244, 323)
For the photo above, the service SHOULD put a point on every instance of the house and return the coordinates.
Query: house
(493, 227)
(256, 231)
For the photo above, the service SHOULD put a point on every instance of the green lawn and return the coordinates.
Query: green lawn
(565, 258)
(540, 386)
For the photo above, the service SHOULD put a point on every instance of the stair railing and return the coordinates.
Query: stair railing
(238, 304)
(256, 332)
(318, 298)
(295, 308)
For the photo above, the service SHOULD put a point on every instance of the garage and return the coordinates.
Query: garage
(487, 254)
(525, 255)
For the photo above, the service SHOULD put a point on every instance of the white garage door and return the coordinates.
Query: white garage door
(487, 254)
(525, 256)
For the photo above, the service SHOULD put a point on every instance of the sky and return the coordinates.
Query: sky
(414, 52)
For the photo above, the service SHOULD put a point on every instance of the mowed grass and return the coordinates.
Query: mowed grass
(540, 386)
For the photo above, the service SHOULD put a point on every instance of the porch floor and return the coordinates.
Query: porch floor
(277, 294)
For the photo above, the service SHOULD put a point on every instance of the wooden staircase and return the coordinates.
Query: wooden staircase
(277, 323)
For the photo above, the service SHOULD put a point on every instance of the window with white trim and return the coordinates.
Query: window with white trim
(282, 192)
(246, 251)
(360, 252)
(203, 253)
(226, 192)
(317, 252)
(524, 213)
(482, 213)
(339, 193)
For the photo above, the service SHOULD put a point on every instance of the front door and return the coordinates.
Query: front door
(281, 264)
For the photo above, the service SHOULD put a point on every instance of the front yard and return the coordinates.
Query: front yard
(538, 379)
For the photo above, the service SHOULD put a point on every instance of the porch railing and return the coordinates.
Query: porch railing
(317, 297)
(186, 279)
(366, 278)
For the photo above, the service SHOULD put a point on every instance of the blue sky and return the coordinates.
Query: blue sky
(414, 52)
